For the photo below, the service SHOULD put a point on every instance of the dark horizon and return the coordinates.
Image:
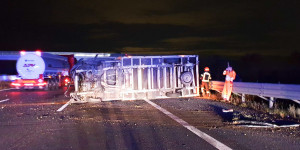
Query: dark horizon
(259, 38)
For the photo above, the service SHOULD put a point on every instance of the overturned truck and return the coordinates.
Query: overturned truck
(135, 77)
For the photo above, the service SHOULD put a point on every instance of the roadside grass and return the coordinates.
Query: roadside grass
(282, 107)
(4, 84)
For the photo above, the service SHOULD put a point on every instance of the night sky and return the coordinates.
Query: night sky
(260, 39)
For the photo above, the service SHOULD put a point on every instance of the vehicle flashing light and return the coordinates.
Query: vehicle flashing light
(22, 52)
(38, 52)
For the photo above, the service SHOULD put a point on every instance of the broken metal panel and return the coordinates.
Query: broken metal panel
(136, 77)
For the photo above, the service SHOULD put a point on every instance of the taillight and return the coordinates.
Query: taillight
(15, 84)
(42, 84)
(41, 76)
(66, 80)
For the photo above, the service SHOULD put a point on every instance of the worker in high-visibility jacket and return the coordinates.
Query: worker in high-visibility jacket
(230, 76)
(205, 77)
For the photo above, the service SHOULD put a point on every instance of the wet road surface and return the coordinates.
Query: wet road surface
(29, 120)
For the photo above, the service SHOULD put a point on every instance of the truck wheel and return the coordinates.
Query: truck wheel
(47, 86)
(186, 78)
(51, 84)
(56, 84)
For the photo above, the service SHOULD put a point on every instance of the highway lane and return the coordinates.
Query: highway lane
(18, 97)
(108, 125)
(29, 120)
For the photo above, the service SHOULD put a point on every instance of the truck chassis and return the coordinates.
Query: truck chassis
(135, 77)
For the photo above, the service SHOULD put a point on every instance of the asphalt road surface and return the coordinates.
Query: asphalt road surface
(30, 120)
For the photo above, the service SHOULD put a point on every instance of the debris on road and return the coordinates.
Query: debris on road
(257, 124)
(227, 110)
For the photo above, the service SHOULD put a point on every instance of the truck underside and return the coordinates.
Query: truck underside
(135, 77)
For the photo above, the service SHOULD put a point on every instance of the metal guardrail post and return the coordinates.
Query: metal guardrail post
(243, 98)
(271, 102)
(263, 90)
(76, 83)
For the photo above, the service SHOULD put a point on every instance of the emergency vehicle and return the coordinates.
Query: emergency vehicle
(39, 70)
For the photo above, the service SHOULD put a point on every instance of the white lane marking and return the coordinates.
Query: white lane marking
(199, 133)
(6, 89)
(4, 100)
(64, 106)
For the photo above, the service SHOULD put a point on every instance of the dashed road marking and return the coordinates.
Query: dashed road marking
(64, 106)
(1, 101)
(217, 144)
(6, 89)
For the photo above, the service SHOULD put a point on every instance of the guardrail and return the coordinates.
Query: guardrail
(263, 90)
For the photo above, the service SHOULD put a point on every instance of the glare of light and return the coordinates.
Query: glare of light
(41, 84)
(22, 52)
(16, 84)
(84, 55)
(128, 56)
(12, 77)
(38, 52)
(28, 84)
(91, 55)
(40, 80)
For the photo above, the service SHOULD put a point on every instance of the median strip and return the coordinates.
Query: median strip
(217, 144)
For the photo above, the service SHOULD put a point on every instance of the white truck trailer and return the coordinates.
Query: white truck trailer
(39, 70)
(135, 77)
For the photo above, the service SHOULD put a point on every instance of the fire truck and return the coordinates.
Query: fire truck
(135, 77)
(39, 70)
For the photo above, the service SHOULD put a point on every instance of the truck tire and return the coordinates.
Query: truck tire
(51, 84)
(186, 78)
(47, 86)
(56, 84)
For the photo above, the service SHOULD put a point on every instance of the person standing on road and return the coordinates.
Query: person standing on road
(205, 77)
(230, 76)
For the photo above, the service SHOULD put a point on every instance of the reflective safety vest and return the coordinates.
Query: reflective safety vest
(206, 77)
(230, 75)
